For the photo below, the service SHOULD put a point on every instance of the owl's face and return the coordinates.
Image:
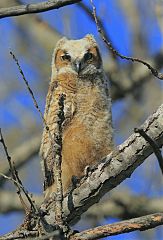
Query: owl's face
(80, 56)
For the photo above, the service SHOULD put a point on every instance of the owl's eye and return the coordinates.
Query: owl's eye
(66, 57)
(88, 56)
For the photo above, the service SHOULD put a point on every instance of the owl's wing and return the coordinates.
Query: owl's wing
(46, 149)
(53, 85)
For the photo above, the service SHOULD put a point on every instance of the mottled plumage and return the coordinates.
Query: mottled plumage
(77, 72)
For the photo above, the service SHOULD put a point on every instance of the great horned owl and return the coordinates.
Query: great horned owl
(77, 72)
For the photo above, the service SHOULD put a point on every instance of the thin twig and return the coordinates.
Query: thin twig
(16, 179)
(23, 153)
(100, 23)
(33, 98)
(100, 181)
(28, 87)
(12, 171)
(11, 179)
(109, 45)
(153, 144)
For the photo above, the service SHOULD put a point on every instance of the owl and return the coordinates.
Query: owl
(87, 137)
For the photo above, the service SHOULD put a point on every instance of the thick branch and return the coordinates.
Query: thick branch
(35, 7)
(112, 170)
(142, 223)
(115, 168)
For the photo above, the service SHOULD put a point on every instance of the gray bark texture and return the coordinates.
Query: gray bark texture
(115, 168)
(112, 170)
(34, 8)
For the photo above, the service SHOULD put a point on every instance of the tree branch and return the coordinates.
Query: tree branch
(35, 7)
(134, 78)
(154, 145)
(16, 180)
(89, 14)
(21, 155)
(111, 48)
(115, 168)
(141, 224)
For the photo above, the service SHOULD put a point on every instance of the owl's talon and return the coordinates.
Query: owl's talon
(75, 180)
(87, 170)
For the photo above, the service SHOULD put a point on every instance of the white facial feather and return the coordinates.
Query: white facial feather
(76, 49)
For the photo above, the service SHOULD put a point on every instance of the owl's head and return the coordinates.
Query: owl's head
(81, 57)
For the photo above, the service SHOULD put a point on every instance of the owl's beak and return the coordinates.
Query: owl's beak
(77, 66)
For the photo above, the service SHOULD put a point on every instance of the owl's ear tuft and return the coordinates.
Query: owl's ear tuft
(61, 42)
(58, 46)
(91, 39)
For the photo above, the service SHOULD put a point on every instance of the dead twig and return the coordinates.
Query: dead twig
(89, 14)
(28, 87)
(112, 49)
(153, 144)
(106, 176)
(12, 171)
(22, 154)
(16, 180)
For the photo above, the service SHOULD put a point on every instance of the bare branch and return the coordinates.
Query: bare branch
(141, 224)
(28, 87)
(35, 7)
(109, 45)
(89, 14)
(16, 180)
(123, 85)
(22, 155)
(115, 168)
(153, 145)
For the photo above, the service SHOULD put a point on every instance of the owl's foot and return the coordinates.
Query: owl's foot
(75, 180)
